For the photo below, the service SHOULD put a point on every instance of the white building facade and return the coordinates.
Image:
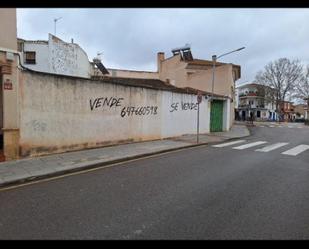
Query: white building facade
(55, 56)
(251, 100)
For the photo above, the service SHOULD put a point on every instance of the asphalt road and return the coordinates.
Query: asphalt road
(198, 193)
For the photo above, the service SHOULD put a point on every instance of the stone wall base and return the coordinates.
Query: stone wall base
(11, 144)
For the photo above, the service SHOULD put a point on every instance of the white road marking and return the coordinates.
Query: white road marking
(271, 147)
(230, 143)
(296, 150)
(245, 146)
(290, 126)
(262, 126)
(272, 126)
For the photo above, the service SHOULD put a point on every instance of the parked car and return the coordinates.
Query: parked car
(299, 120)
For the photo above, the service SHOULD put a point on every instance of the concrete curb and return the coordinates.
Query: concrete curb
(91, 166)
(100, 164)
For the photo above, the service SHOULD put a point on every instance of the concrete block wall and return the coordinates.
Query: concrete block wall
(59, 113)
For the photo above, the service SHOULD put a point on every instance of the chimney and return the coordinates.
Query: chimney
(160, 58)
(72, 40)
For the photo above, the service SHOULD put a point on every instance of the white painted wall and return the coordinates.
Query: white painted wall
(42, 56)
(67, 58)
(59, 57)
(178, 119)
(56, 115)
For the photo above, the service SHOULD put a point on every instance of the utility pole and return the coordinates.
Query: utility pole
(199, 100)
(55, 20)
(214, 60)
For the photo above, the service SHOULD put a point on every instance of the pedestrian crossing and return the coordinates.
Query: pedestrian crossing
(267, 147)
(281, 126)
(230, 143)
(296, 150)
(272, 147)
(245, 146)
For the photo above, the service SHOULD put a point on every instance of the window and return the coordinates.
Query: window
(258, 114)
(30, 57)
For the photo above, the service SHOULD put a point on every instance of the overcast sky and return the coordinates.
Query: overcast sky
(131, 38)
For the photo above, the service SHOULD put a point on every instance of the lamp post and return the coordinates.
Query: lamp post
(214, 60)
(55, 20)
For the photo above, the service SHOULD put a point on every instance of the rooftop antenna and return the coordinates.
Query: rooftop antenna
(55, 20)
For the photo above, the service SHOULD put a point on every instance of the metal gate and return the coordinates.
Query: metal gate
(216, 116)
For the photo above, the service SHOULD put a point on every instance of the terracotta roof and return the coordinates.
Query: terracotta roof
(208, 64)
(200, 62)
(135, 82)
(131, 70)
(151, 83)
(203, 62)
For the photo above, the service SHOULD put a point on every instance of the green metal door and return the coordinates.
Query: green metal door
(216, 115)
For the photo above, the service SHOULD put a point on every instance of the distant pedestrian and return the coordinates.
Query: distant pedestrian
(251, 117)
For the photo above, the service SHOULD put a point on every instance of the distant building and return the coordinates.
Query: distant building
(252, 98)
(300, 110)
(287, 111)
(306, 108)
(55, 56)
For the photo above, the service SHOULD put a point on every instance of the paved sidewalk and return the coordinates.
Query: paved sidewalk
(18, 171)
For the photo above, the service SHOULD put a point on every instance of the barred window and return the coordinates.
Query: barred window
(30, 57)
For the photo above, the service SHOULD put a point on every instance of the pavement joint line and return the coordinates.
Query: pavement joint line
(54, 175)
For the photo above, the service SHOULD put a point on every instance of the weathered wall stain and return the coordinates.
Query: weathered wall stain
(37, 125)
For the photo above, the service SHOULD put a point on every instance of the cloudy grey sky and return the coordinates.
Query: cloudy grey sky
(131, 38)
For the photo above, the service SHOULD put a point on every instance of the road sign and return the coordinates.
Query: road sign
(199, 100)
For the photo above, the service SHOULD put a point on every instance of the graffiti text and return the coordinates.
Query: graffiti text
(183, 106)
(143, 110)
(101, 102)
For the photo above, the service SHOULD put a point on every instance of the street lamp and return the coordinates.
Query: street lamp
(55, 20)
(214, 60)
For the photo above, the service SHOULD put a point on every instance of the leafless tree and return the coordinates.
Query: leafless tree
(302, 88)
(280, 78)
